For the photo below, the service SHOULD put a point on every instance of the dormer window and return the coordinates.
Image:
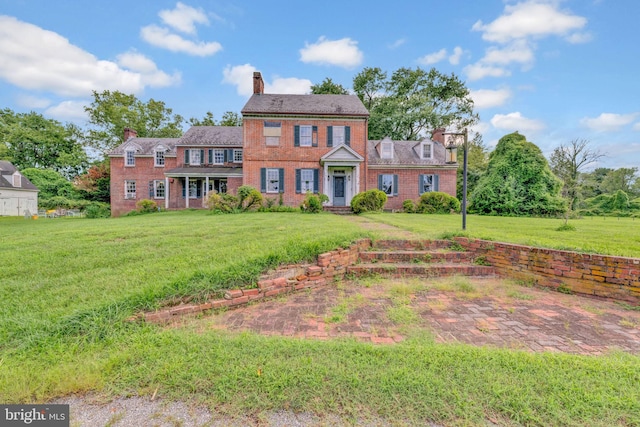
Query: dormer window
(17, 180)
(426, 150)
(386, 150)
(159, 157)
(130, 158)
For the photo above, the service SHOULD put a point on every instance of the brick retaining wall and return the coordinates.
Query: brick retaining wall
(591, 274)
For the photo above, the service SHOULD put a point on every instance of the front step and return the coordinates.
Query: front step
(411, 245)
(416, 257)
(338, 210)
(429, 270)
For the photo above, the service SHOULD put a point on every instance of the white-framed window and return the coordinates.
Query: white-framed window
(386, 150)
(427, 184)
(426, 150)
(306, 135)
(194, 157)
(193, 189)
(272, 132)
(158, 189)
(306, 180)
(129, 189)
(273, 180)
(17, 180)
(338, 135)
(388, 183)
(130, 158)
(218, 156)
(159, 158)
(237, 156)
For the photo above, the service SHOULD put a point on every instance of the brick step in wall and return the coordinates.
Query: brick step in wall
(425, 270)
(338, 210)
(416, 257)
(411, 245)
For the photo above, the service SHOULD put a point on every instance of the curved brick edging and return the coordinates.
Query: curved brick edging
(590, 274)
(329, 266)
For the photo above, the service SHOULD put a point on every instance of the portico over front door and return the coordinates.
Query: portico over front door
(338, 191)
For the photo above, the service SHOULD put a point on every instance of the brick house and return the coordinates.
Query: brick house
(288, 145)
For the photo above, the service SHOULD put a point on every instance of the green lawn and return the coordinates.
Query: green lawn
(67, 286)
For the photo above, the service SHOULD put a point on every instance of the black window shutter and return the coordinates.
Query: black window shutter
(329, 136)
(210, 156)
(395, 185)
(263, 180)
(347, 135)
(298, 181)
(151, 192)
(281, 179)
(436, 182)
(296, 136)
(229, 155)
(201, 156)
(314, 136)
(420, 184)
(186, 157)
(380, 182)
(198, 189)
(184, 187)
(315, 181)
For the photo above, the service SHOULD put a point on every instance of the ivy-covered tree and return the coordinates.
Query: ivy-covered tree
(477, 159)
(29, 140)
(620, 179)
(328, 87)
(518, 182)
(111, 112)
(413, 103)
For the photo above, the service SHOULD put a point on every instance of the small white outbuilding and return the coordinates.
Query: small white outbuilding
(18, 196)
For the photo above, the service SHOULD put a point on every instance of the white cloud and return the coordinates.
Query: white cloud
(433, 58)
(516, 122)
(479, 71)
(147, 68)
(396, 44)
(487, 98)
(68, 111)
(636, 126)
(29, 101)
(241, 76)
(454, 59)
(342, 53)
(37, 59)
(163, 38)
(608, 122)
(533, 18)
(519, 51)
(578, 38)
(183, 18)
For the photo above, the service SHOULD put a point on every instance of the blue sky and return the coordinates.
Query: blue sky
(554, 70)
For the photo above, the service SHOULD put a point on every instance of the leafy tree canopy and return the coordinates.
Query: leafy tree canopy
(50, 183)
(95, 184)
(111, 112)
(328, 87)
(229, 118)
(412, 103)
(32, 141)
(477, 159)
(518, 182)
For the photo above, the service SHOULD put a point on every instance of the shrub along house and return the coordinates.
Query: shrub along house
(287, 146)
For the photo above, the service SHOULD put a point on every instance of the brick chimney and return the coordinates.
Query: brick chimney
(438, 135)
(258, 83)
(129, 133)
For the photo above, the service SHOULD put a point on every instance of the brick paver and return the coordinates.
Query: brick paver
(550, 321)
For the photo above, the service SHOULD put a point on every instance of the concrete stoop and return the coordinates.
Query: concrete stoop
(429, 258)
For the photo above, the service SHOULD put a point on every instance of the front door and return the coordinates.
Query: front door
(338, 191)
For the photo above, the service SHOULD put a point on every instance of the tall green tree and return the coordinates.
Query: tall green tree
(229, 118)
(32, 141)
(620, 179)
(477, 160)
(567, 161)
(95, 184)
(328, 87)
(207, 120)
(412, 103)
(518, 182)
(111, 112)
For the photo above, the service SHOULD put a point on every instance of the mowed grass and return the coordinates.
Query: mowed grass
(610, 236)
(68, 286)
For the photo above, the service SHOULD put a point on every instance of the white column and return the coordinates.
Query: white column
(356, 188)
(206, 187)
(166, 193)
(186, 192)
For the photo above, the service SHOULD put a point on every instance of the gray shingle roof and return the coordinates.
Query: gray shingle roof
(407, 153)
(335, 105)
(7, 169)
(146, 146)
(228, 136)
